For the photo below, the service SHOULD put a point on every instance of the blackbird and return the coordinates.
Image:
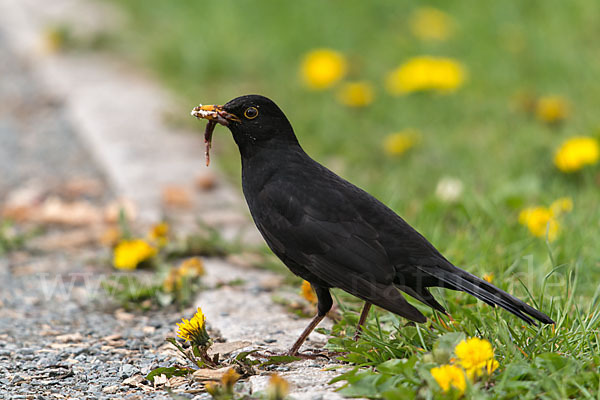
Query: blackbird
(332, 233)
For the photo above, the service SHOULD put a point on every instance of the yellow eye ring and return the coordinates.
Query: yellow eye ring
(251, 113)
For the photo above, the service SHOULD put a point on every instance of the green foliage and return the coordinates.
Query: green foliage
(12, 237)
(131, 291)
(393, 361)
(169, 372)
(207, 241)
(502, 155)
(146, 290)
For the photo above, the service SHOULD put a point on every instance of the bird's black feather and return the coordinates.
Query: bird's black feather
(334, 234)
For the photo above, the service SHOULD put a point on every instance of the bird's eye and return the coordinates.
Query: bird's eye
(251, 113)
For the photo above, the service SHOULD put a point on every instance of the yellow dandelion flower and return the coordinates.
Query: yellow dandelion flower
(212, 388)
(491, 366)
(475, 356)
(576, 153)
(278, 388)
(489, 277)
(399, 143)
(159, 233)
(128, 254)
(425, 73)
(356, 94)
(540, 220)
(307, 292)
(561, 206)
(55, 39)
(194, 330)
(229, 378)
(450, 376)
(192, 267)
(322, 68)
(173, 281)
(429, 23)
(551, 109)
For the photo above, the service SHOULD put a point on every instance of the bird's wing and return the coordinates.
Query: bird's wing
(322, 230)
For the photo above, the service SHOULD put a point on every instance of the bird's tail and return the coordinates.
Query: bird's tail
(455, 278)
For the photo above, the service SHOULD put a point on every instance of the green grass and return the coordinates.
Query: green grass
(210, 52)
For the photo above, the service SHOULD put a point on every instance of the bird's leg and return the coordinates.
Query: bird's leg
(323, 306)
(313, 324)
(362, 319)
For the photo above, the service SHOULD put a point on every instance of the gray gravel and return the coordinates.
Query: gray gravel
(37, 142)
(59, 337)
(68, 343)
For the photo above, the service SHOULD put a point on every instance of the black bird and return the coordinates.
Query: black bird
(333, 234)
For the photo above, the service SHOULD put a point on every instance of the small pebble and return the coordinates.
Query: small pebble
(110, 389)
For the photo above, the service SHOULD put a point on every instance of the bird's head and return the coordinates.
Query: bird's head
(255, 121)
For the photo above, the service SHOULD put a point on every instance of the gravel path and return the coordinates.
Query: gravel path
(58, 338)
(37, 141)
(60, 335)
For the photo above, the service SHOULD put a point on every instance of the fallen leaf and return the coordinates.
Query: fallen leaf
(176, 381)
(206, 182)
(121, 315)
(160, 380)
(110, 389)
(21, 203)
(56, 211)
(206, 374)
(176, 196)
(134, 380)
(113, 337)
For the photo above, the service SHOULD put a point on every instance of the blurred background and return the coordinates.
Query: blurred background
(453, 113)
(476, 121)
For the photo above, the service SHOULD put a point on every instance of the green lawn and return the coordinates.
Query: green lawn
(211, 52)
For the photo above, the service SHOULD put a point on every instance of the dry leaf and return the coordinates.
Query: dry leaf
(22, 202)
(110, 389)
(135, 380)
(70, 337)
(176, 196)
(205, 182)
(113, 337)
(56, 211)
(160, 380)
(206, 374)
(124, 316)
(176, 381)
